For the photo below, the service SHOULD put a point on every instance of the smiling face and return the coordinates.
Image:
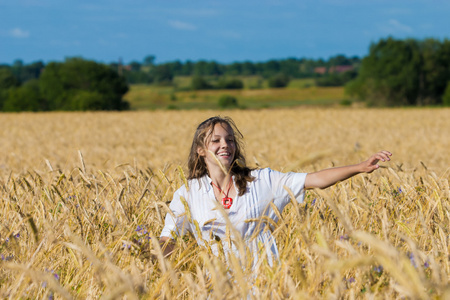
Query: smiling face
(220, 145)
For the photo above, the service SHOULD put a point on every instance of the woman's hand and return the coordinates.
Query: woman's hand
(167, 247)
(371, 164)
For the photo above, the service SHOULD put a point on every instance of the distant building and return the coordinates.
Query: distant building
(333, 69)
(340, 69)
(320, 70)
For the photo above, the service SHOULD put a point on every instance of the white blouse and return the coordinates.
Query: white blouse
(196, 210)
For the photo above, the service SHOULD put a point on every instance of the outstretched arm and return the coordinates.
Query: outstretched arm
(328, 177)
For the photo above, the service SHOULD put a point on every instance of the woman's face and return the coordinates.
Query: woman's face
(220, 145)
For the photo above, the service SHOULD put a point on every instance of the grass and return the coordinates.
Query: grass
(300, 92)
(81, 193)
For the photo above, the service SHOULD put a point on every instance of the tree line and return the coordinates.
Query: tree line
(395, 72)
(75, 84)
(149, 72)
(404, 72)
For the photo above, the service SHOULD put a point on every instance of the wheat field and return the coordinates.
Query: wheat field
(83, 194)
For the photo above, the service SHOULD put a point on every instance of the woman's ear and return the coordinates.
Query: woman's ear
(201, 151)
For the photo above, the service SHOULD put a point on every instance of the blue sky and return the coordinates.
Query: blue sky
(224, 31)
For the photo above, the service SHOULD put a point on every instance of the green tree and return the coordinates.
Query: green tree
(335, 79)
(199, 83)
(25, 98)
(162, 74)
(446, 96)
(389, 75)
(230, 84)
(149, 60)
(227, 101)
(279, 81)
(60, 84)
(7, 81)
(403, 72)
(435, 71)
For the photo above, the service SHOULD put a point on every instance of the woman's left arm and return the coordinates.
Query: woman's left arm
(328, 177)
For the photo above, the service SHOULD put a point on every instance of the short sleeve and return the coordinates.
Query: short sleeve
(176, 221)
(278, 182)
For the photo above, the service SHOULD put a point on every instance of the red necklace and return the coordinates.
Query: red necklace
(226, 201)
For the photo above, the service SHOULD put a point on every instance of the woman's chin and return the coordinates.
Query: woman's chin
(225, 162)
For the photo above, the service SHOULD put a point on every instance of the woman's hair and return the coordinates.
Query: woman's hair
(196, 163)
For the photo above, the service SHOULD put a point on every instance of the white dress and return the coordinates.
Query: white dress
(196, 210)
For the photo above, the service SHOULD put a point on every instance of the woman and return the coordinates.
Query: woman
(228, 206)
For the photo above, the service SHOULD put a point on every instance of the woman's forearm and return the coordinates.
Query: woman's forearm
(328, 177)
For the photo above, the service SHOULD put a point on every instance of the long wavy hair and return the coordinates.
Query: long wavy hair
(196, 162)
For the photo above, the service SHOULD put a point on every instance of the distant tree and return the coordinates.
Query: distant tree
(149, 60)
(187, 68)
(17, 68)
(446, 96)
(199, 83)
(339, 60)
(31, 71)
(25, 98)
(290, 67)
(135, 77)
(24, 72)
(435, 71)
(271, 68)
(248, 68)
(336, 79)
(403, 72)
(278, 81)
(389, 75)
(227, 101)
(135, 66)
(230, 84)
(176, 67)
(7, 81)
(61, 83)
(87, 100)
(207, 68)
(162, 74)
(234, 69)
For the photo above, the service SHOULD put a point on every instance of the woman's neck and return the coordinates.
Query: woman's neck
(219, 178)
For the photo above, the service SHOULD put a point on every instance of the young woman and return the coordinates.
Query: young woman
(226, 204)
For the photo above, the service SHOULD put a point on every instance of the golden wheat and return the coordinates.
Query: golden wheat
(84, 195)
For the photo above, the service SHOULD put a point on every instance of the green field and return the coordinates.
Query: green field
(255, 95)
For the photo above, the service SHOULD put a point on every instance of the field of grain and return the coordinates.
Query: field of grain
(82, 193)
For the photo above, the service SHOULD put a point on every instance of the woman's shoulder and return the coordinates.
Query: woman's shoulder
(193, 184)
(260, 172)
(270, 173)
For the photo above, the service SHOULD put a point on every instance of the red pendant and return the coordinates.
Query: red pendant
(226, 202)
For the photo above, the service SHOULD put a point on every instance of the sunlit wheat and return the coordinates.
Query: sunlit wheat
(83, 198)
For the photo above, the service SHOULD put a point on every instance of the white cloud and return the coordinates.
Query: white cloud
(394, 26)
(181, 25)
(19, 33)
